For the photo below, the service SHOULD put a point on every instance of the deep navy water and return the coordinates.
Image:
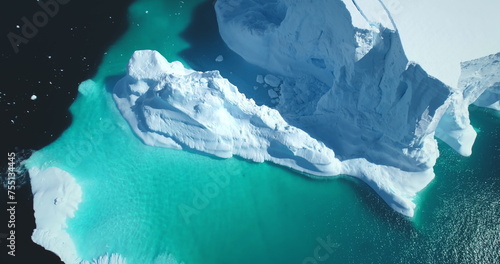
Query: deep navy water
(64, 52)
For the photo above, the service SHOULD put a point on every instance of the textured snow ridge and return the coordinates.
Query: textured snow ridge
(170, 106)
(56, 196)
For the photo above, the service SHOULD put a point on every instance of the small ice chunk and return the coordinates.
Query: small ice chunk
(272, 80)
(255, 87)
(34, 97)
(272, 94)
(219, 58)
(260, 79)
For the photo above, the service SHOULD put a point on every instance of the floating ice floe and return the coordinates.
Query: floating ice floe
(272, 94)
(272, 80)
(259, 79)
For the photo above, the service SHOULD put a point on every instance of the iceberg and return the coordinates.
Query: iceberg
(350, 99)
(372, 80)
(170, 106)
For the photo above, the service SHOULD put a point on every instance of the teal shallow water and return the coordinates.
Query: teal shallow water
(143, 202)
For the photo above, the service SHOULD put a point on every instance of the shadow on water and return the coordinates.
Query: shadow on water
(373, 203)
(111, 81)
(206, 45)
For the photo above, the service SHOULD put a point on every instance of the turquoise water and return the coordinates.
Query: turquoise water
(144, 202)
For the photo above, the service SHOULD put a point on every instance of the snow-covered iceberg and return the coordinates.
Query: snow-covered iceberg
(168, 105)
(171, 106)
(350, 100)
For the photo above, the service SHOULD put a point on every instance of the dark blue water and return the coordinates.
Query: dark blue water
(63, 53)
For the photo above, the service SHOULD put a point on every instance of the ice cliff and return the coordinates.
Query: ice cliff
(350, 100)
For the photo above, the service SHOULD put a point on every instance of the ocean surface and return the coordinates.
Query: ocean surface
(152, 204)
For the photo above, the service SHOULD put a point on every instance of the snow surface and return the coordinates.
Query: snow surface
(439, 35)
(56, 196)
(480, 81)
